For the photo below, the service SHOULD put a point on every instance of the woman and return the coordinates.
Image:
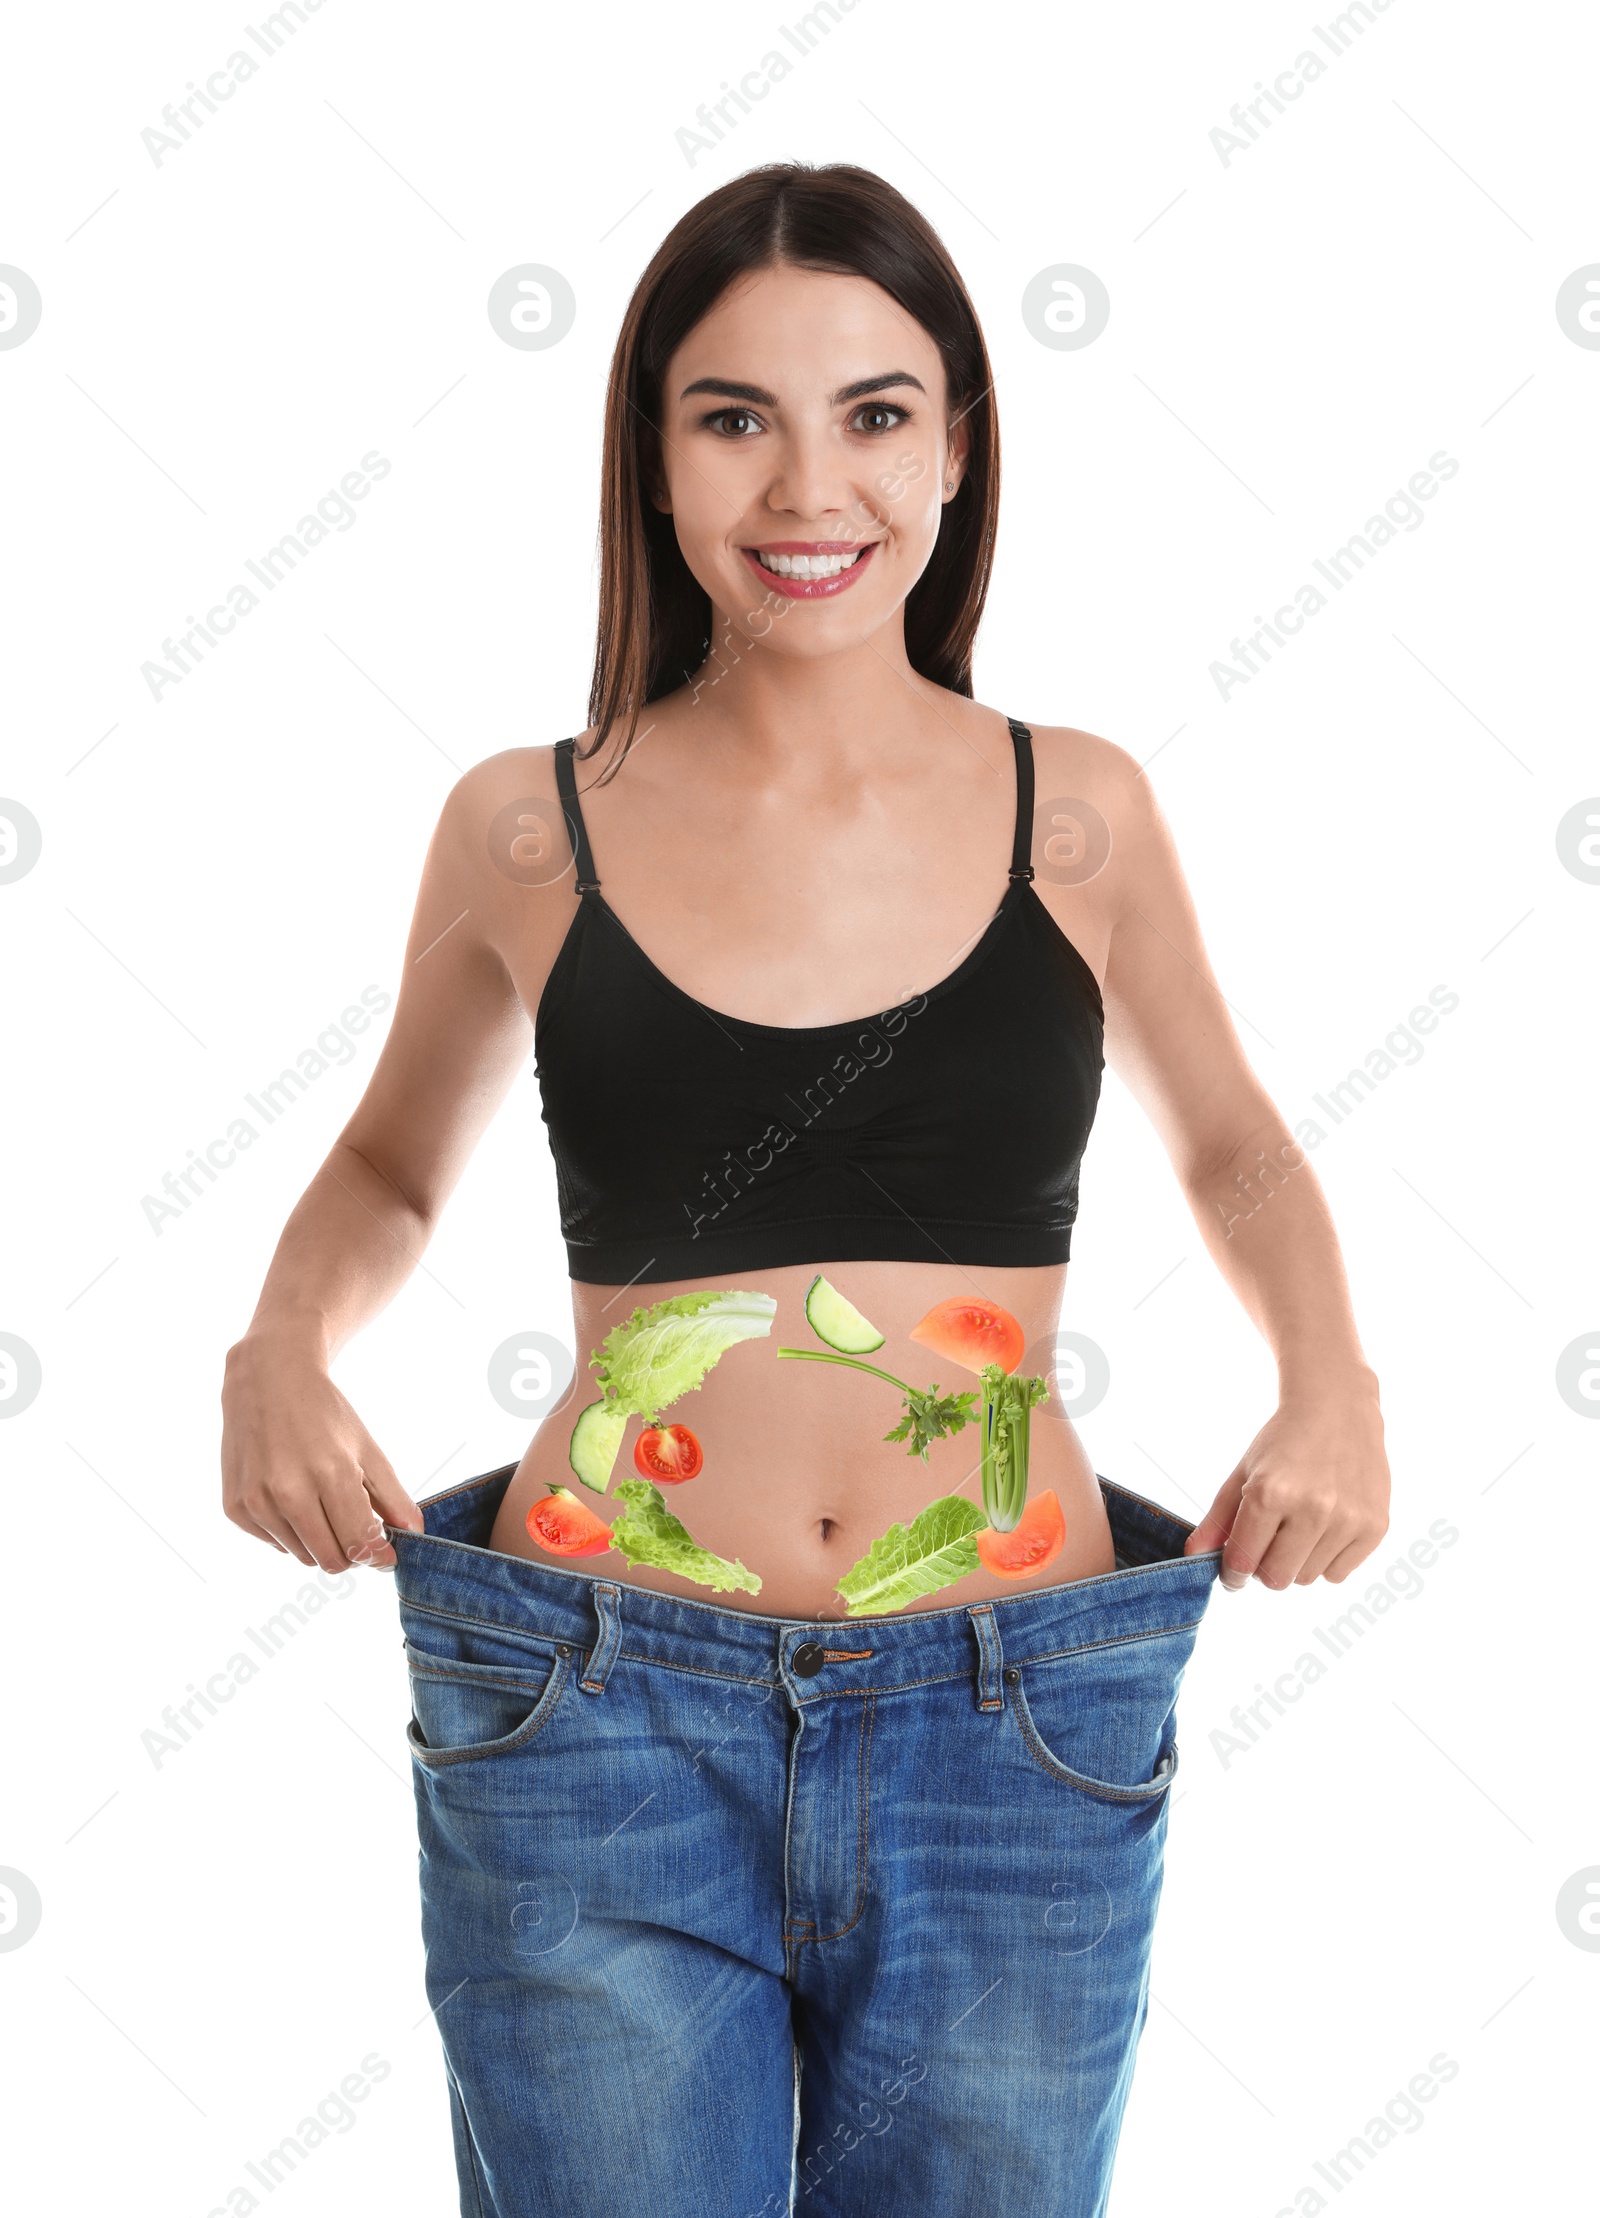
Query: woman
(737, 1898)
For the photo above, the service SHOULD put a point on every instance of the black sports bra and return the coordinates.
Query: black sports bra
(690, 1144)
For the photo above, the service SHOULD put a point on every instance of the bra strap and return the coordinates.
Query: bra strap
(585, 880)
(1021, 868)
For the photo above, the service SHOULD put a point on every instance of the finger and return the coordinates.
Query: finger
(1347, 1559)
(309, 1522)
(389, 1498)
(1254, 1531)
(247, 1524)
(357, 1528)
(1334, 1543)
(1289, 1548)
(275, 1524)
(1214, 1528)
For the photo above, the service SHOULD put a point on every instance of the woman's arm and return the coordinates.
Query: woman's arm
(1309, 1497)
(299, 1468)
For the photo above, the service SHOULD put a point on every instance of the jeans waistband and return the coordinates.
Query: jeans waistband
(449, 1571)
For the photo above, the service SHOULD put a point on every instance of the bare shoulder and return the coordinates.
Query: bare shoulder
(501, 822)
(1098, 800)
(1081, 765)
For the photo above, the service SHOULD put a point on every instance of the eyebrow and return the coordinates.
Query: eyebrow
(730, 389)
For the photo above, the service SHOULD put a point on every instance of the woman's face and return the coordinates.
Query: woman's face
(806, 452)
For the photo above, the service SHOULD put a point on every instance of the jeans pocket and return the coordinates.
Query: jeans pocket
(1103, 1719)
(464, 1712)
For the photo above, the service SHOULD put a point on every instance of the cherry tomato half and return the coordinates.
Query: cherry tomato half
(669, 1454)
(567, 1527)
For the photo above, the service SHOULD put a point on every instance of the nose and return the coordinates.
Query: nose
(813, 477)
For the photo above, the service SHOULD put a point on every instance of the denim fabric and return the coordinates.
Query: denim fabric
(710, 1937)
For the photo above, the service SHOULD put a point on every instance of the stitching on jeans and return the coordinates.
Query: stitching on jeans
(1099, 1790)
(508, 1682)
(486, 1624)
(1120, 1640)
(863, 1776)
(696, 1671)
(543, 1710)
(743, 1679)
(632, 1655)
(467, 2136)
(505, 1470)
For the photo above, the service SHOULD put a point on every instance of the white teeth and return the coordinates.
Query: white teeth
(807, 566)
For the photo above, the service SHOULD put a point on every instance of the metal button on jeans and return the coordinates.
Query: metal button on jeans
(807, 1659)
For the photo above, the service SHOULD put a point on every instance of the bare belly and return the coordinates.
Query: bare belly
(798, 1480)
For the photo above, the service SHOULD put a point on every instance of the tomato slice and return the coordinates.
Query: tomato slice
(667, 1453)
(566, 1526)
(1034, 1541)
(971, 1331)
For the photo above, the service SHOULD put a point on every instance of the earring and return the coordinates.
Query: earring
(949, 483)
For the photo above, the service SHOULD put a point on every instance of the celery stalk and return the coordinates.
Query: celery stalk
(1004, 1443)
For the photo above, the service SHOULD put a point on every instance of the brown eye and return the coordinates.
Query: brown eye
(879, 416)
(739, 418)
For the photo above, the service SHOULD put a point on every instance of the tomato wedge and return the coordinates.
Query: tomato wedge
(1034, 1541)
(971, 1331)
(669, 1454)
(566, 1526)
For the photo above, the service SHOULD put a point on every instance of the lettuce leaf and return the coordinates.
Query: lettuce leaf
(666, 1350)
(909, 1561)
(647, 1532)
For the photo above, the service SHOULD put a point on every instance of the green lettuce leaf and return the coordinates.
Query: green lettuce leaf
(647, 1532)
(666, 1350)
(909, 1561)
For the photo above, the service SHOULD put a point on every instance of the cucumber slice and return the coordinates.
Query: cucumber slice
(837, 1321)
(596, 1437)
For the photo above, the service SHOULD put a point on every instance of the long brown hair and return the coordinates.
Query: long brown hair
(655, 619)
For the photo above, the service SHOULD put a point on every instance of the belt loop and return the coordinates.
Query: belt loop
(986, 1680)
(604, 1653)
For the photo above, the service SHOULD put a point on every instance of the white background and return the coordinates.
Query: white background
(1293, 333)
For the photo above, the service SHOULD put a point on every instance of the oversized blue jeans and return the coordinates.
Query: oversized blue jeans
(728, 1916)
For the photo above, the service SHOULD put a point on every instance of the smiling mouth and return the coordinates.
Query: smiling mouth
(813, 571)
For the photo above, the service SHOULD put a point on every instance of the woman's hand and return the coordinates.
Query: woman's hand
(299, 1469)
(1309, 1498)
